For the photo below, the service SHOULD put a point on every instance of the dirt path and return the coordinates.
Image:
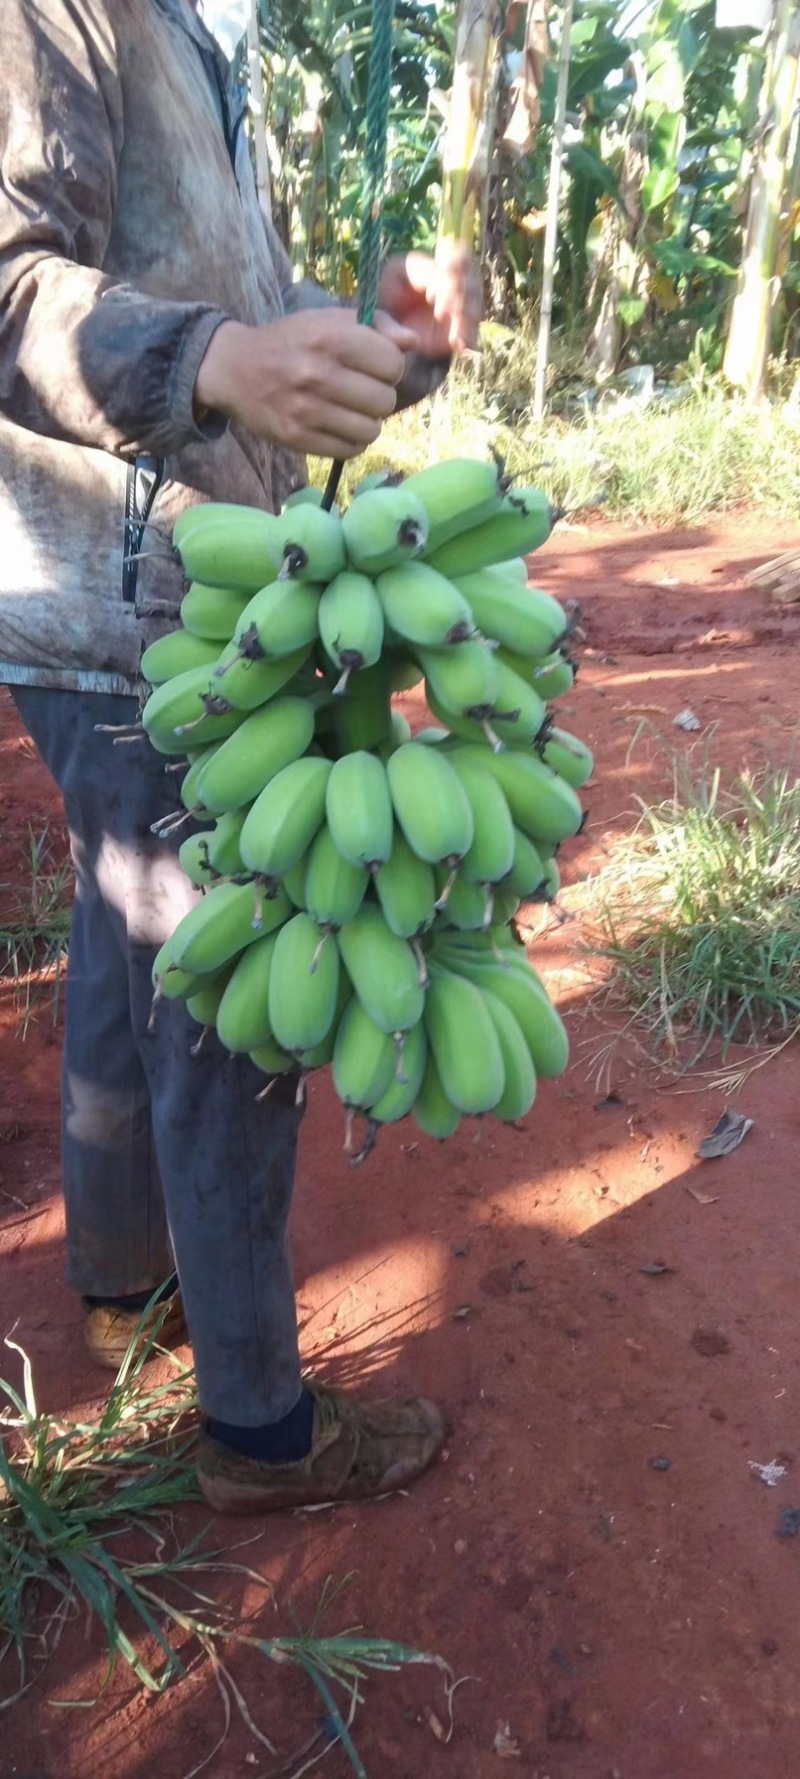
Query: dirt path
(623, 1620)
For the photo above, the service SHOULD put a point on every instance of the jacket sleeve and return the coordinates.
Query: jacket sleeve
(82, 357)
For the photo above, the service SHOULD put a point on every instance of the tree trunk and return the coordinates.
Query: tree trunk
(751, 318)
(258, 108)
(551, 228)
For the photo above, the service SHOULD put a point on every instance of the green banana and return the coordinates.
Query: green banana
(235, 547)
(401, 729)
(261, 747)
(405, 674)
(177, 652)
(223, 846)
(432, 1109)
(422, 608)
(467, 906)
(491, 855)
(523, 524)
(278, 621)
(364, 1058)
(318, 1055)
(308, 542)
(334, 888)
(383, 528)
(302, 497)
(462, 680)
(459, 728)
(221, 924)
(194, 860)
(243, 1017)
(378, 478)
(402, 1092)
(189, 520)
(294, 882)
(285, 817)
(432, 736)
(527, 875)
(188, 704)
(406, 890)
(246, 684)
(504, 905)
(363, 718)
(552, 881)
(569, 757)
(430, 803)
(204, 1005)
(523, 619)
(189, 793)
(517, 984)
(303, 984)
(464, 1041)
(515, 570)
(519, 1091)
(272, 1060)
(351, 624)
(550, 675)
(554, 676)
(519, 714)
(358, 808)
(457, 495)
(541, 804)
(208, 513)
(168, 980)
(212, 612)
(383, 970)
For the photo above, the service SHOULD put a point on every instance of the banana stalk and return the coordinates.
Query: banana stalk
(751, 316)
(551, 226)
(467, 147)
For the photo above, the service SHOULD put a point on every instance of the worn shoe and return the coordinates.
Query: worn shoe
(109, 1332)
(359, 1449)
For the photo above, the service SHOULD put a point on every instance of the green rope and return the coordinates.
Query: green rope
(378, 103)
(379, 91)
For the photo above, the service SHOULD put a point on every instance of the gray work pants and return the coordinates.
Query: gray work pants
(162, 1152)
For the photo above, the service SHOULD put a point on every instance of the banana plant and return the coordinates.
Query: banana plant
(316, 66)
(773, 179)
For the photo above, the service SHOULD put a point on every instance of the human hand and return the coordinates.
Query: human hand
(316, 382)
(439, 296)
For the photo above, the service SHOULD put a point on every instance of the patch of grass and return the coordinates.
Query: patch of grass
(698, 916)
(34, 927)
(657, 465)
(71, 1495)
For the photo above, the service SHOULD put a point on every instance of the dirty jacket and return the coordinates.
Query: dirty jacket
(130, 227)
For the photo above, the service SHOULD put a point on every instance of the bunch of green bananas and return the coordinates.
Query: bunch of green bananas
(361, 884)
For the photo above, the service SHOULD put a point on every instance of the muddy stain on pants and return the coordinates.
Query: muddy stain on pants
(162, 1152)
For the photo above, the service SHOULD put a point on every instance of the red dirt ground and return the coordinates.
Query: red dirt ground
(625, 1622)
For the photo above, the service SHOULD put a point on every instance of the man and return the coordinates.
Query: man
(154, 352)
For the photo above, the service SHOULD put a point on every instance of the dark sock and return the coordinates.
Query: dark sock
(138, 1301)
(280, 1442)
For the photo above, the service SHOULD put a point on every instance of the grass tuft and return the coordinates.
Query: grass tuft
(71, 1496)
(659, 465)
(34, 926)
(698, 915)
